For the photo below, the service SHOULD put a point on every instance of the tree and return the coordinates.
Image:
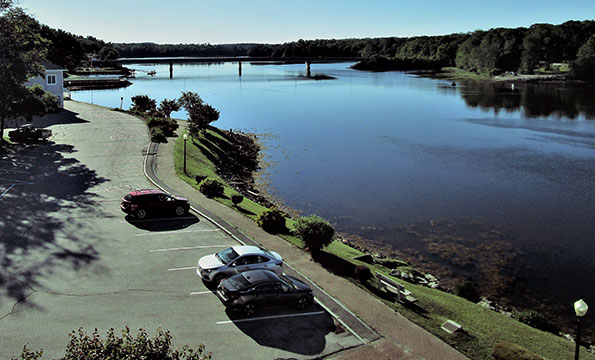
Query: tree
(200, 115)
(166, 107)
(584, 66)
(315, 232)
(143, 104)
(21, 52)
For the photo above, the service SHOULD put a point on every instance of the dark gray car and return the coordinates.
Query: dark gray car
(262, 288)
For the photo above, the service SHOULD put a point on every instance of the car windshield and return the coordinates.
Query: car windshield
(239, 282)
(227, 255)
(287, 282)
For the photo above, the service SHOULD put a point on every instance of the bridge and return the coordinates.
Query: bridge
(239, 59)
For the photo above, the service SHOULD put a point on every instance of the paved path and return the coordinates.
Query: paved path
(398, 338)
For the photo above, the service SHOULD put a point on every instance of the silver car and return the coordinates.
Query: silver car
(236, 259)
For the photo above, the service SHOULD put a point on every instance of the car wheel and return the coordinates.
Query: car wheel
(180, 211)
(303, 303)
(141, 214)
(249, 309)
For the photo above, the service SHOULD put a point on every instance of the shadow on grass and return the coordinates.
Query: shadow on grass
(42, 192)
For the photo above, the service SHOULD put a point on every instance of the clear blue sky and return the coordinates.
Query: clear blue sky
(279, 21)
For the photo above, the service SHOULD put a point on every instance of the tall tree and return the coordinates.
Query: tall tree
(200, 115)
(21, 52)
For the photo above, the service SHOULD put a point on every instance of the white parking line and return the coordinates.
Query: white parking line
(175, 232)
(183, 268)
(191, 248)
(269, 317)
(201, 292)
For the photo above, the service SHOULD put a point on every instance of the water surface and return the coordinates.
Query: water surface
(377, 152)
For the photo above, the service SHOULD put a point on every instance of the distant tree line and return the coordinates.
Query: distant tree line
(491, 52)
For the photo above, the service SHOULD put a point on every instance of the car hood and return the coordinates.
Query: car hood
(180, 198)
(209, 262)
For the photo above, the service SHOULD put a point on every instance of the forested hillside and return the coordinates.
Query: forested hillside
(491, 52)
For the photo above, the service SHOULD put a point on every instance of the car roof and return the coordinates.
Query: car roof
(247, 249)
(258, 276)
(145, 192)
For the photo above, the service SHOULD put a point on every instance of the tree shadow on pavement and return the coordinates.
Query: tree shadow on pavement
(305, 335)
(41, 193)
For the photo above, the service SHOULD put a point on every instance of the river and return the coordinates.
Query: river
(486, 181)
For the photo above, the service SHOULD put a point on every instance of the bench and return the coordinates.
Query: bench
(403, 295)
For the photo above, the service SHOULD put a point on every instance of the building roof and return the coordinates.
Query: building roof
(51, 66)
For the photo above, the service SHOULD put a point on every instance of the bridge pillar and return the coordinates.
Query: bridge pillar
(307, 69)
(171, 70)
(239, 68)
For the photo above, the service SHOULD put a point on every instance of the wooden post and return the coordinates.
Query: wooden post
(240, 68)
(171, 70)
(307, 69)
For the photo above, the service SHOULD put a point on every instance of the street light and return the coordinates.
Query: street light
(185, 138)
(580, 308)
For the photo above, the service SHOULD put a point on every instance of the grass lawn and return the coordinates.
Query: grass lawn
(483, 328)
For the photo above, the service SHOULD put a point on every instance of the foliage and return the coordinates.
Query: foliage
(200, 115)
(508, 351)
(211, 188)
(466, 290)
(36, 101)
(94, 347)
(315, 232)
(143, 104)
(21, 49)
(584, 66)
(272, 221)
(237, 199)
(362, 273)
(537, 320)
(166, 107)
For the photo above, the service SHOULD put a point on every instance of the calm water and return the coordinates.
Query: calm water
(374, 152)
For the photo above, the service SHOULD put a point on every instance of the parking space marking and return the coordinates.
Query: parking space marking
(191, 248)
(175, 232)
(201, 292)
(183, 268)
(269, 317)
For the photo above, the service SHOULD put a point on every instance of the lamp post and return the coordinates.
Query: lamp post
(185, 138)
(580, 308)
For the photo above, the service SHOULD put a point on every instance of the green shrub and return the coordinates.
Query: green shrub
(467, 290)
(537, 320)
(157, 135)
(272, 221)
(94, 347)
(236, 199)
(508, 351)
(362, 273)
(315, 232)
(211, 188)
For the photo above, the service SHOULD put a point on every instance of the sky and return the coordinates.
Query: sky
(280, 21)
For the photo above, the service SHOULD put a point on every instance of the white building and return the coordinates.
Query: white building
(52, 80)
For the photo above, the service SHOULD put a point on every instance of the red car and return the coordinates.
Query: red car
(141, 203)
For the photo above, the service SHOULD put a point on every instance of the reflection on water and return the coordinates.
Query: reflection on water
(556, 100)
(377, 152)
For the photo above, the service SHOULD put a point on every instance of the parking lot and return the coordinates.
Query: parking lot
(70, 258)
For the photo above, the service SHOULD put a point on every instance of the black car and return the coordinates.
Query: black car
(258, 288)
(141, 203)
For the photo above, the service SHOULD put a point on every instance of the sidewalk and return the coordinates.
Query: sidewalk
(385, 333)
